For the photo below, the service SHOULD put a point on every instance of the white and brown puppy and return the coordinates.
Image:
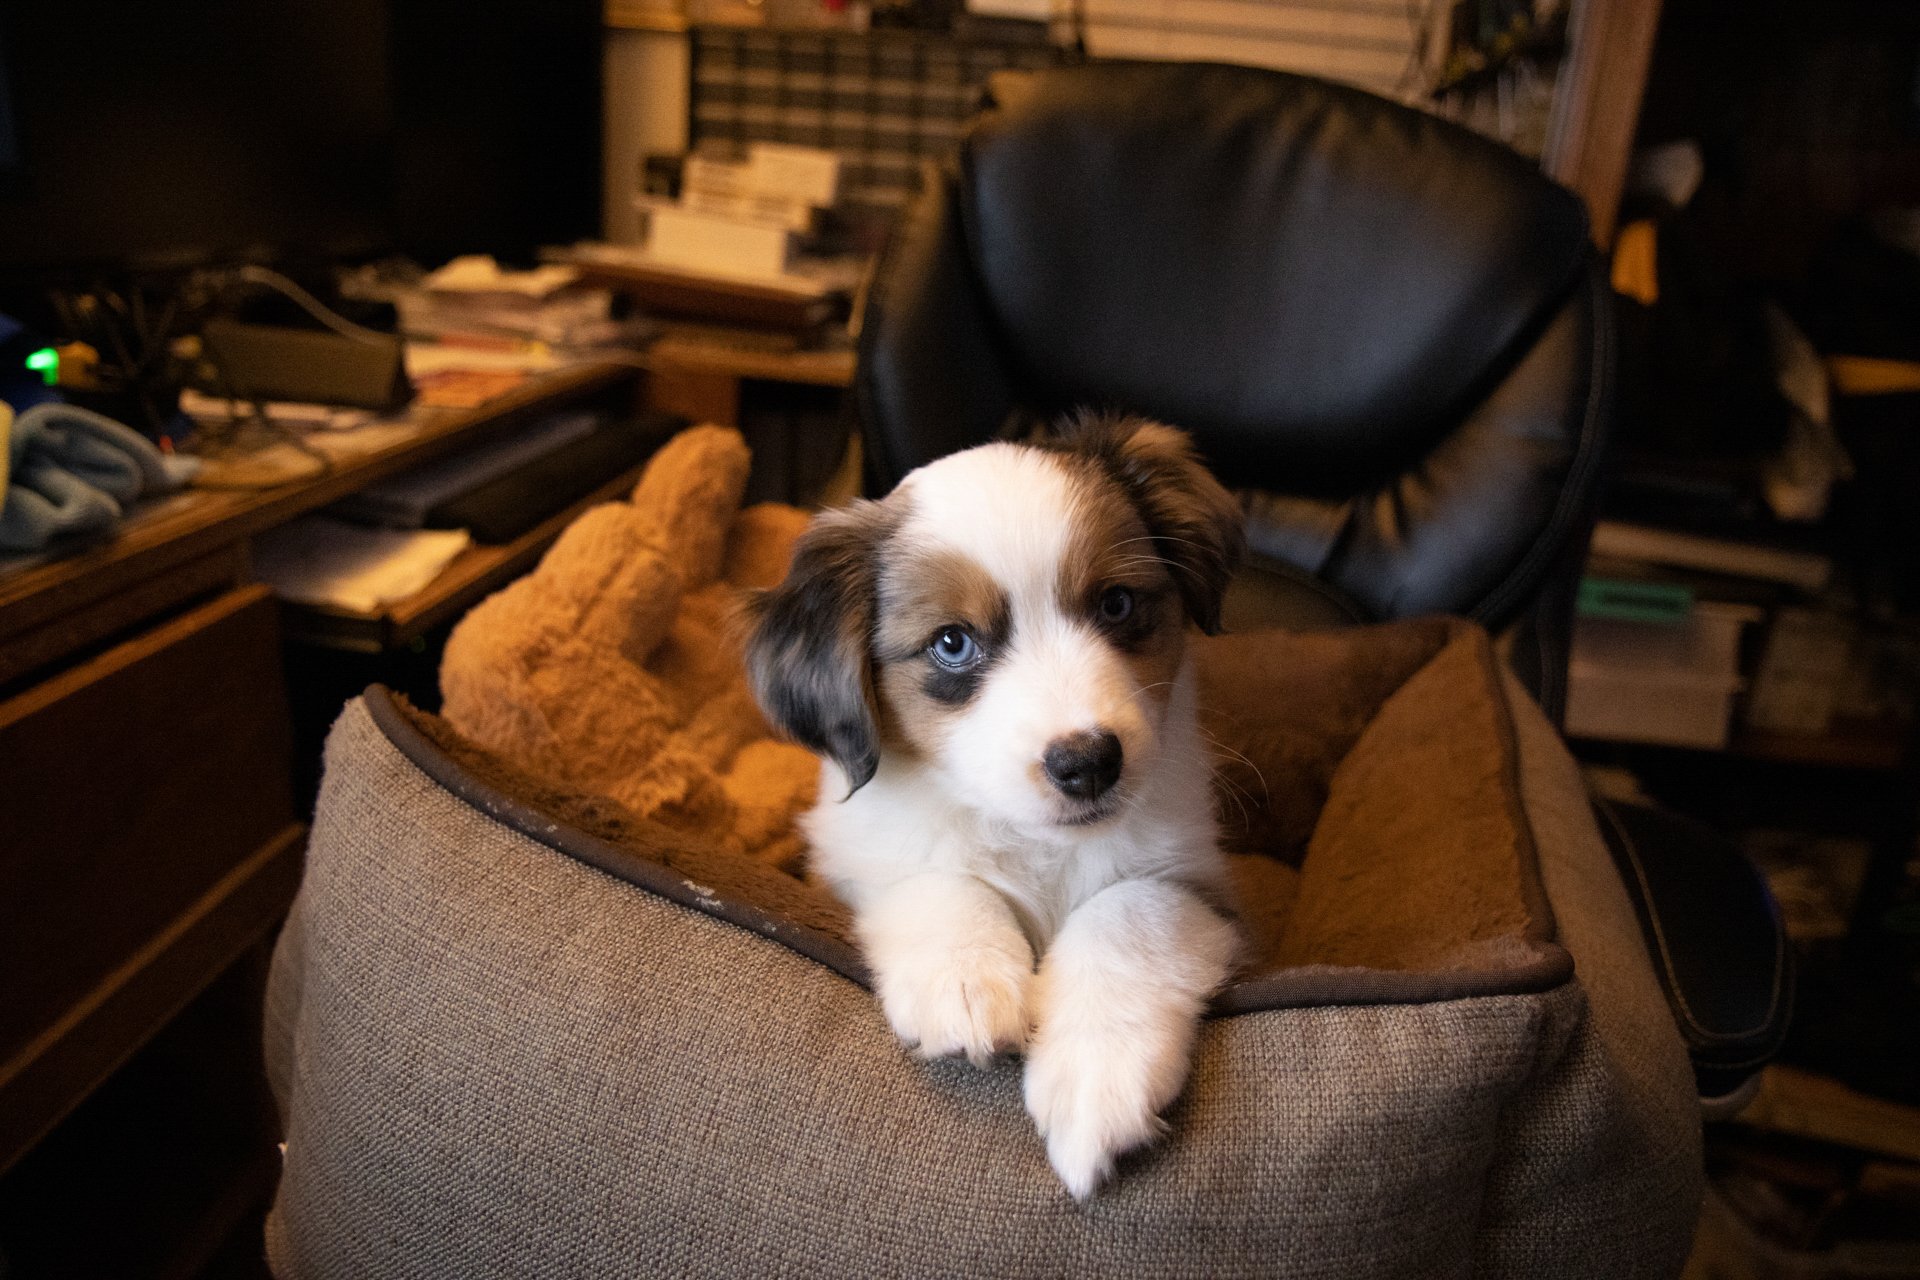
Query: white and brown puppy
(993, 663)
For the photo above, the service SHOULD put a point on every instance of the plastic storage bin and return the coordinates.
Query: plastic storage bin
(1670, 683)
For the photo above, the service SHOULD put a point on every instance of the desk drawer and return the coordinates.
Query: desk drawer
(133, 788)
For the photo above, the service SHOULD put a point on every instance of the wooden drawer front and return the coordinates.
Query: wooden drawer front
(128, 786)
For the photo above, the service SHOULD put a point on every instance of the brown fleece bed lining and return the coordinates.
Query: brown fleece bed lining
(1367, 778)
(1373, 814)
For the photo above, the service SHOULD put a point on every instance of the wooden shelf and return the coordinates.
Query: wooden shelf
(1809, 1105)
(828, 368)
(39, 1085)
(169, 1165)
(1883, 751)
(1862, 750)
(664, 290)
(475, 573)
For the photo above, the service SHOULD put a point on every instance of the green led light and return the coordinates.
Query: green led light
(45, 362)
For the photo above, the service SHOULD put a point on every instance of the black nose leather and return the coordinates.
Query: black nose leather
(1082, 765)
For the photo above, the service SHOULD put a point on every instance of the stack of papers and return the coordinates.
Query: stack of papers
(320, 561)
(474, 298)
(477, 275)
(219, 410)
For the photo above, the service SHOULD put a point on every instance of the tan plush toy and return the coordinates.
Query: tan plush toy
(612, 669)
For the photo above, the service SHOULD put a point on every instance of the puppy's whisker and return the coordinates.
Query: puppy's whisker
(1161, 537)
(1156, 560)
(1224, 779)
(1150, 537)
(1221, 746)
(1230, 790)
(1265, 791)
(1133, 805)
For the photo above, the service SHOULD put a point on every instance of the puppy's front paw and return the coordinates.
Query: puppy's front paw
(1097, 1098)
(971, 1001)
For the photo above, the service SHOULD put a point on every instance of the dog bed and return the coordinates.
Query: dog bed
(556, 997)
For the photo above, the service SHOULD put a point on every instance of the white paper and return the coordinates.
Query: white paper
(321, 561)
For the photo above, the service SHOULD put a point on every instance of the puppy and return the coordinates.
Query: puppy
(992, 664)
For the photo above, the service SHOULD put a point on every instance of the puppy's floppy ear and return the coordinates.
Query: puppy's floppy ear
(1197, 526)
(809, 656)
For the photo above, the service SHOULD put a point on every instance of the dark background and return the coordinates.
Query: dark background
(185, 132)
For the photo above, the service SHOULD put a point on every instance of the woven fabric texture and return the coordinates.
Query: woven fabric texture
(494, 1060)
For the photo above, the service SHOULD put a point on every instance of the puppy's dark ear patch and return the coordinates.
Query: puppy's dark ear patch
(809, 656)
(1197, 526)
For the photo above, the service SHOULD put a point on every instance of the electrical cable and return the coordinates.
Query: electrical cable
(228, 438)
(311, 305)
(131, 370)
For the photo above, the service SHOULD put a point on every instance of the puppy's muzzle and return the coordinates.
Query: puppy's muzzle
(1084, 765)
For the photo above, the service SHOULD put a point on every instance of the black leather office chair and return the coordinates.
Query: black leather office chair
(1388, 333)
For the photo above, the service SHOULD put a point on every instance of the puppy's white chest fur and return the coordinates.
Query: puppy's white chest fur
(903, 824)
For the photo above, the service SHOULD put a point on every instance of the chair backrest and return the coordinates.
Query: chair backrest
(1387, 331)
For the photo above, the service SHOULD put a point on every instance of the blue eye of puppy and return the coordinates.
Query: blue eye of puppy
(1116, 604)
(955, 649)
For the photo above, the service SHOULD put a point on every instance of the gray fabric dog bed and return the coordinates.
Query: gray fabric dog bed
(516, 1032)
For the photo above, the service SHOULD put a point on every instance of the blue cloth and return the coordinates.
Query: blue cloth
(74, 471)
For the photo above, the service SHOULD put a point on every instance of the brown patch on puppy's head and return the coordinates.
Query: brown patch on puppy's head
(809, 656)
(1115, 578)
(1192, 523)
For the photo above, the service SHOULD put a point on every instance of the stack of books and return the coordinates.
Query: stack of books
(743, 219)
(1723, 567)
(473, 301)
(738, 247)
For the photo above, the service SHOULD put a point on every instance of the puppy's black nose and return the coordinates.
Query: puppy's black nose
(1084, 764)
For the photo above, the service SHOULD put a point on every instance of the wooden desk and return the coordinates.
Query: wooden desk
(474, 574)
(183, 545)
(150, 837)
(149, 833)
(699, 378)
